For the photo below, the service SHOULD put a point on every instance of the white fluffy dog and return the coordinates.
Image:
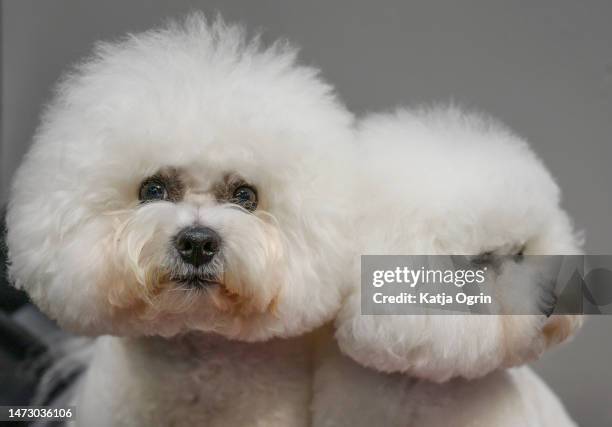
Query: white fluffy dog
(185, 195)
(444, 182)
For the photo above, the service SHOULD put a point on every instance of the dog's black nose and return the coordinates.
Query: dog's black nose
(197, 245)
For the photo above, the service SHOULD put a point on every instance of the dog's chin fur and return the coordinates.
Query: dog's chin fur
(201, 99)
(451, 182)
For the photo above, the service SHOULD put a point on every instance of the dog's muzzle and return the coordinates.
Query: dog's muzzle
(197, 245)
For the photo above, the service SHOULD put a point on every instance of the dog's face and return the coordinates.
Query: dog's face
(185, 179)
(466, 186)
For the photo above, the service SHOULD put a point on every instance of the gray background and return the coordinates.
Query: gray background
(545, 69)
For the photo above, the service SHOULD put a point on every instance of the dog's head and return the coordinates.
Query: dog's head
(185, 179)
(449, 183)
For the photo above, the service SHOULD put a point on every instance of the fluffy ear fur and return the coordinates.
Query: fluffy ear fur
(447, 182)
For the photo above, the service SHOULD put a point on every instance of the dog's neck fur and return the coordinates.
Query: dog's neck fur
(348, 394)
(197, 379)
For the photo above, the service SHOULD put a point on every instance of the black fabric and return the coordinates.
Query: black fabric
(22, 355)
(22, 362)
(10, 298)
(39, 363)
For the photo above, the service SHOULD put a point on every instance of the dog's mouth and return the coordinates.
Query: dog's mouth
(195, 281)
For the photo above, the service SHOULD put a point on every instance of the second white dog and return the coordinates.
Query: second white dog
(443, 182)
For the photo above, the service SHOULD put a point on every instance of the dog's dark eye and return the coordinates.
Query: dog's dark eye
(246, 197)
(518, 256)
(483, 258)
(152, 190)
